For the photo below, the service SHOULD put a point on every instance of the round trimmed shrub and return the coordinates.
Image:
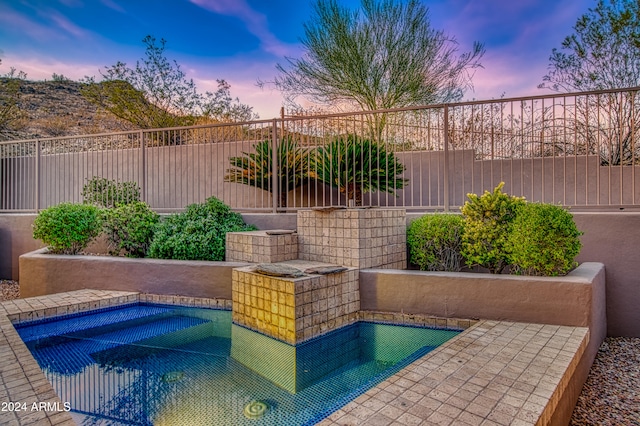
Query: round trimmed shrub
(129, 228)
(198, 233)
(67, 228)
(544, 240)
(435, 241)
(487, 224)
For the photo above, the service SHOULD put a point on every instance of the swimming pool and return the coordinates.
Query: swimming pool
(148, 364)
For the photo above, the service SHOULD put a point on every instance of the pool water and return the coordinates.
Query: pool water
(164, 365)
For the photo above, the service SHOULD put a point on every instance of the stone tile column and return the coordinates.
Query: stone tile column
(261, 246)
(295, 309)
(360, 238)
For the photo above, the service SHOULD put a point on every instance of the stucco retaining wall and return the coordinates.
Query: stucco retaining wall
(609, 238)
(16, 238)
(43, 273)
(577, 299)
(612, 239)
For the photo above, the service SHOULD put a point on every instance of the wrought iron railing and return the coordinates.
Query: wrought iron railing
(576, 149)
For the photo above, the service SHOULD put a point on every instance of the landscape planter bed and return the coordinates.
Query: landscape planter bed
(576, 299)
(42, 273)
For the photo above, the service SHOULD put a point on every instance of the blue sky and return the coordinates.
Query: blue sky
(241, 41)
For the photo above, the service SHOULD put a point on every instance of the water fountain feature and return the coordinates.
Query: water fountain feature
(310, 285)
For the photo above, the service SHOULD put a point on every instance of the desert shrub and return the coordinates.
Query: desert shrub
(108, 193)
(356, 166)
(67, 228)
(129, 228)
(256, 168)
(487, 223)
(544, 240)
(435, 241)
(198, 233)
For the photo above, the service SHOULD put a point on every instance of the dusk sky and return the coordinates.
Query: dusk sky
(241, 41)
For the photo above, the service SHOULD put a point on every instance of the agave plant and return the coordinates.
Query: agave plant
(356, 166)
(256, 168)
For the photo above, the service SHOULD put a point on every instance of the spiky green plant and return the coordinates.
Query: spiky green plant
(256, 168)
(356, 166)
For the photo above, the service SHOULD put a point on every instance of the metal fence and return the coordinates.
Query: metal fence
(578, 149)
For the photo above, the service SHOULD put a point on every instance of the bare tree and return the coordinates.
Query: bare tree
(602, 54)
(156, 93)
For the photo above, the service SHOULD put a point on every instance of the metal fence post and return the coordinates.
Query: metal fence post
(274, 167)
(446, 158)
(143, 166)
(37, 177)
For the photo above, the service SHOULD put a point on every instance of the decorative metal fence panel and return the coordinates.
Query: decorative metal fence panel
(579, 149)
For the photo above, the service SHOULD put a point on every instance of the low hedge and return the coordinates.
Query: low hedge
(487, 222)
(133, 229)
(435, 241)
(543, 240)
(67, 228)
(129, 228)
(198, 233)
(498, 232)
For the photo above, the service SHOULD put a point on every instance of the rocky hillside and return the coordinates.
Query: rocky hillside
(57, 108)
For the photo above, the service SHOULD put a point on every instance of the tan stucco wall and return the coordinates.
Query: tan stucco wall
(16, 238)
(179, 175)
(614, 239)
(541, 300)
(46, 273)
(609, 238)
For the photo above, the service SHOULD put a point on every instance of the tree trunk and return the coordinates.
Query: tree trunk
(283, 199)
(354, 192)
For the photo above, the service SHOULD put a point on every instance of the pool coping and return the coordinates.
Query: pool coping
(493, 373)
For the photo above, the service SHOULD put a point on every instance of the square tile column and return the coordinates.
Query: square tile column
(360, 238)
(295, 309)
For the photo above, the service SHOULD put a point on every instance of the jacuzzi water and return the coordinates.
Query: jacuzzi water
(165, 365)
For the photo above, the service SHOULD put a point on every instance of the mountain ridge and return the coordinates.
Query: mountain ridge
(58, 108)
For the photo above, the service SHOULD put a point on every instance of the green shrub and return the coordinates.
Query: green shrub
(435, 241)
(109, 193)
(256, 168)
(198, 233)
(129, 228)
(67, 228)
(487, 222)
(544, 240)
(356, 166)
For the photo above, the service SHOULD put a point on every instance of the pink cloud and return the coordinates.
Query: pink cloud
(517, 56)
(256, 23)
(67, 26)
(501, 75)
(243, 80)
(11, 19)
(39, 68)
(113, 5)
